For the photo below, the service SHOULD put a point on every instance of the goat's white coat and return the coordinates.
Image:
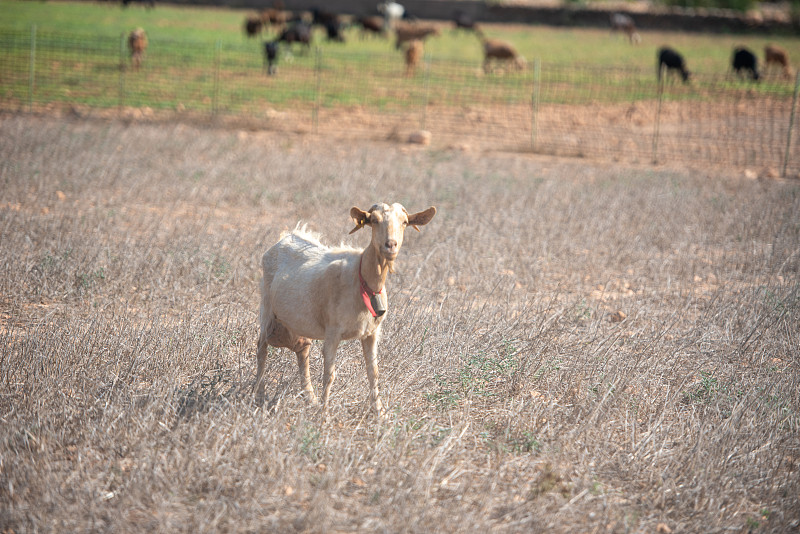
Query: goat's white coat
(312, 291)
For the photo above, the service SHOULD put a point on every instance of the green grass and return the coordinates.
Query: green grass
(199, 59)
(705, 53)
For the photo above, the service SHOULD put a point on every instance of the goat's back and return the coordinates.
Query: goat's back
(308, 284)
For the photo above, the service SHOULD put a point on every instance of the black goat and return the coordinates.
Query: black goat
(744, 60)
(671, 60)
(270, 56)
(463, 21)
(148, 3)
(371, 24)
(252, 26)
(322, 18)
(299, 32)
(334, 30)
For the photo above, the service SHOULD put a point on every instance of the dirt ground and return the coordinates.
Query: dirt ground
(745, 133)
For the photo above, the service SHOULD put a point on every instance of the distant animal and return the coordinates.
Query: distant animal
(334, 30)
(671, 60)
(326, 19)
(463, 21)
(275, 17)
(252, 26)
(137, 44)
(744, 60)
(148, 3)
(409, 32)
(270, 56)
(371, 24)
(392, 12)
(624, 23)
(414, 52)
(775, 55)
(312, 291)
(497, 50)
(299, 32)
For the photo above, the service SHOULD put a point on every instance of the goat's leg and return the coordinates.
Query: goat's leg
(329, 371)
(305, 372)
(261, 357)
(370, 347)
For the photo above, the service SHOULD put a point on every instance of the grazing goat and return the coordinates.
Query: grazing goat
(497, 50)
(137, 44)
(252, 26)
(371, 24)
(624, 23)
(149, 3)
(275, 17)
(333, 28)
(671, 60)
(299, 32)
(270, 56)
(392, 12)
(775, 55)
(410, 32)
(414, 53)
(744, 60)
(312, 291)
(463, 21)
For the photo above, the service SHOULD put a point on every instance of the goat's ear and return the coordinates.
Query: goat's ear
(360, 217)
(422, 217)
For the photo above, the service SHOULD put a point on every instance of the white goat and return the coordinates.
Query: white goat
(311, 291)
(392, 12)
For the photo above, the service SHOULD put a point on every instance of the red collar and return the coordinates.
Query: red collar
(366, 292)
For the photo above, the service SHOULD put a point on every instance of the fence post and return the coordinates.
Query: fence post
(537, 72)
(215, 97)
(426, 86)
(317, 90)
(658, 120)
(791, 124)
(122, 67)
(32, 70)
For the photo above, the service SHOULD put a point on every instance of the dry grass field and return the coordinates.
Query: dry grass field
(572, 346)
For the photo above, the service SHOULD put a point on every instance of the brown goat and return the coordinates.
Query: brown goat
(623, 23)
(275, 17)
(371, 24)
(137, 43)
(414, 53)
(775, 55)
(252, 26)
(411, 32)
(498, 50)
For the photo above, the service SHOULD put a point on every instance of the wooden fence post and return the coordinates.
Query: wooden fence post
(658, 120)
(791, 124)
(426, 95)
(32, 69)
(122, 68)
(215, 99)
(318, 89)
(537, 80)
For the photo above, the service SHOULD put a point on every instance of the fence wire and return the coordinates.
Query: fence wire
(579, 110)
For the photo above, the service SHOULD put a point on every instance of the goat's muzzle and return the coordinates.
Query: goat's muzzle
(390, 249)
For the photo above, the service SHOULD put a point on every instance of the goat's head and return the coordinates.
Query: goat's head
(388, 225)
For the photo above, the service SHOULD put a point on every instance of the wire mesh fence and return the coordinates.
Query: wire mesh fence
(582, 110)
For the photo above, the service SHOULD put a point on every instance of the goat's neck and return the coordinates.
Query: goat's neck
(374, 269)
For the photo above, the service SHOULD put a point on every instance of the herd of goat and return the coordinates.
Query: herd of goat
(410, 35)
(393, 18)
